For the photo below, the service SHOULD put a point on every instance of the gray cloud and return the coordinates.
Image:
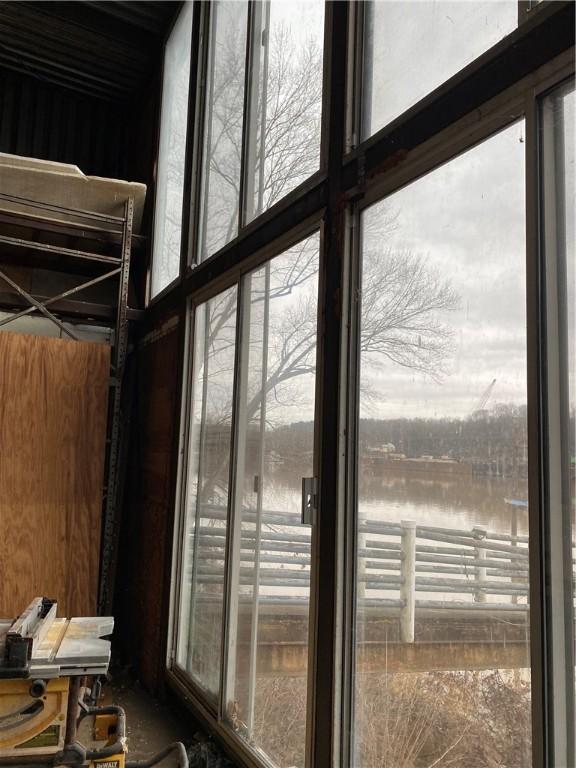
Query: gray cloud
(467, 218)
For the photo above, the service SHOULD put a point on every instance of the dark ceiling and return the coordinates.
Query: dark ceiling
(102, 49)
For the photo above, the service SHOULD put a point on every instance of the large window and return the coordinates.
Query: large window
(206, 492)
(442, 615)
(286, 100)
(261, 129)
(172, 154)
(375, 528)
(219, 203)
(270, 582)
(250, 538)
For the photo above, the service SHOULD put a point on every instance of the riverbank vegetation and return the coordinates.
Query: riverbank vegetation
(432, 720)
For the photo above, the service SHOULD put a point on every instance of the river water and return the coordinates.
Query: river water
(452, 501)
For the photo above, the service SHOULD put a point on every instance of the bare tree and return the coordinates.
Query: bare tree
(402, 298)
(284, 115)
(291, 112)
(403, 301)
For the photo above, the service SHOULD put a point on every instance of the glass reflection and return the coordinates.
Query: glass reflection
(410, 48)
(442, 656)
(206, 500)
(267, 665)
(224, 110)
(171, 154)
(286, 100)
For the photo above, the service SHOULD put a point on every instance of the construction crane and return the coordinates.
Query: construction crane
(480, 406)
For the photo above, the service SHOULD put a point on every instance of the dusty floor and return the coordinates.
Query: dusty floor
(150, 725)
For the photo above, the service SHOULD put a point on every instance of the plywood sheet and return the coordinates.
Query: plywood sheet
(53, 405)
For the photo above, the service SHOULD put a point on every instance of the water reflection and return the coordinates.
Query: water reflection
(457, 502)
(453, 501)
(442, 555)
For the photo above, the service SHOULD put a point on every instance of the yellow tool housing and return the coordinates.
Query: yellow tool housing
(32, 726)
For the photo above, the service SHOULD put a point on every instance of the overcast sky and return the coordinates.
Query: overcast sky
(416, 45)
(467, 219)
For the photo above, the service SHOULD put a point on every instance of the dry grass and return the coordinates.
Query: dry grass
(433, 720)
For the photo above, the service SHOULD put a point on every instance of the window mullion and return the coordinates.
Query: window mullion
(201, 38)
(325, 614)
(354, 78)
(535, 392)
(349, 521)
(191, 141)
(233, 535)
(556, 493)
(206, 132)
(245, 176)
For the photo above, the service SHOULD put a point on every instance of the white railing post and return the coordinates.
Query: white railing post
(408, 587)
(514, 544)
(480, 553)
(361, 577)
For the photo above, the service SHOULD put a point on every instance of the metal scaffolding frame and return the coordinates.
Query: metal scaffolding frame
(116, 232)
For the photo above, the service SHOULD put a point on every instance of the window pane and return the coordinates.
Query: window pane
(206, 496)
(220, 189)
(284, 137)
(410, 48)
(171, 155)
(266, 693)
(442, 618)
(558, 197)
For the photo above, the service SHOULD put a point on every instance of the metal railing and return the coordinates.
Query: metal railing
(402, 566)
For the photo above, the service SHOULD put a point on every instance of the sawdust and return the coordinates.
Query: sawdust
(207, 755)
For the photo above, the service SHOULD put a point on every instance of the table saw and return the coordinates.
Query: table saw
(50, 677)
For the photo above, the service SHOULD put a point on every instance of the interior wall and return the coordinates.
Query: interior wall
(140, 166)
(142, 588)
(40, 119)
(53, 410)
